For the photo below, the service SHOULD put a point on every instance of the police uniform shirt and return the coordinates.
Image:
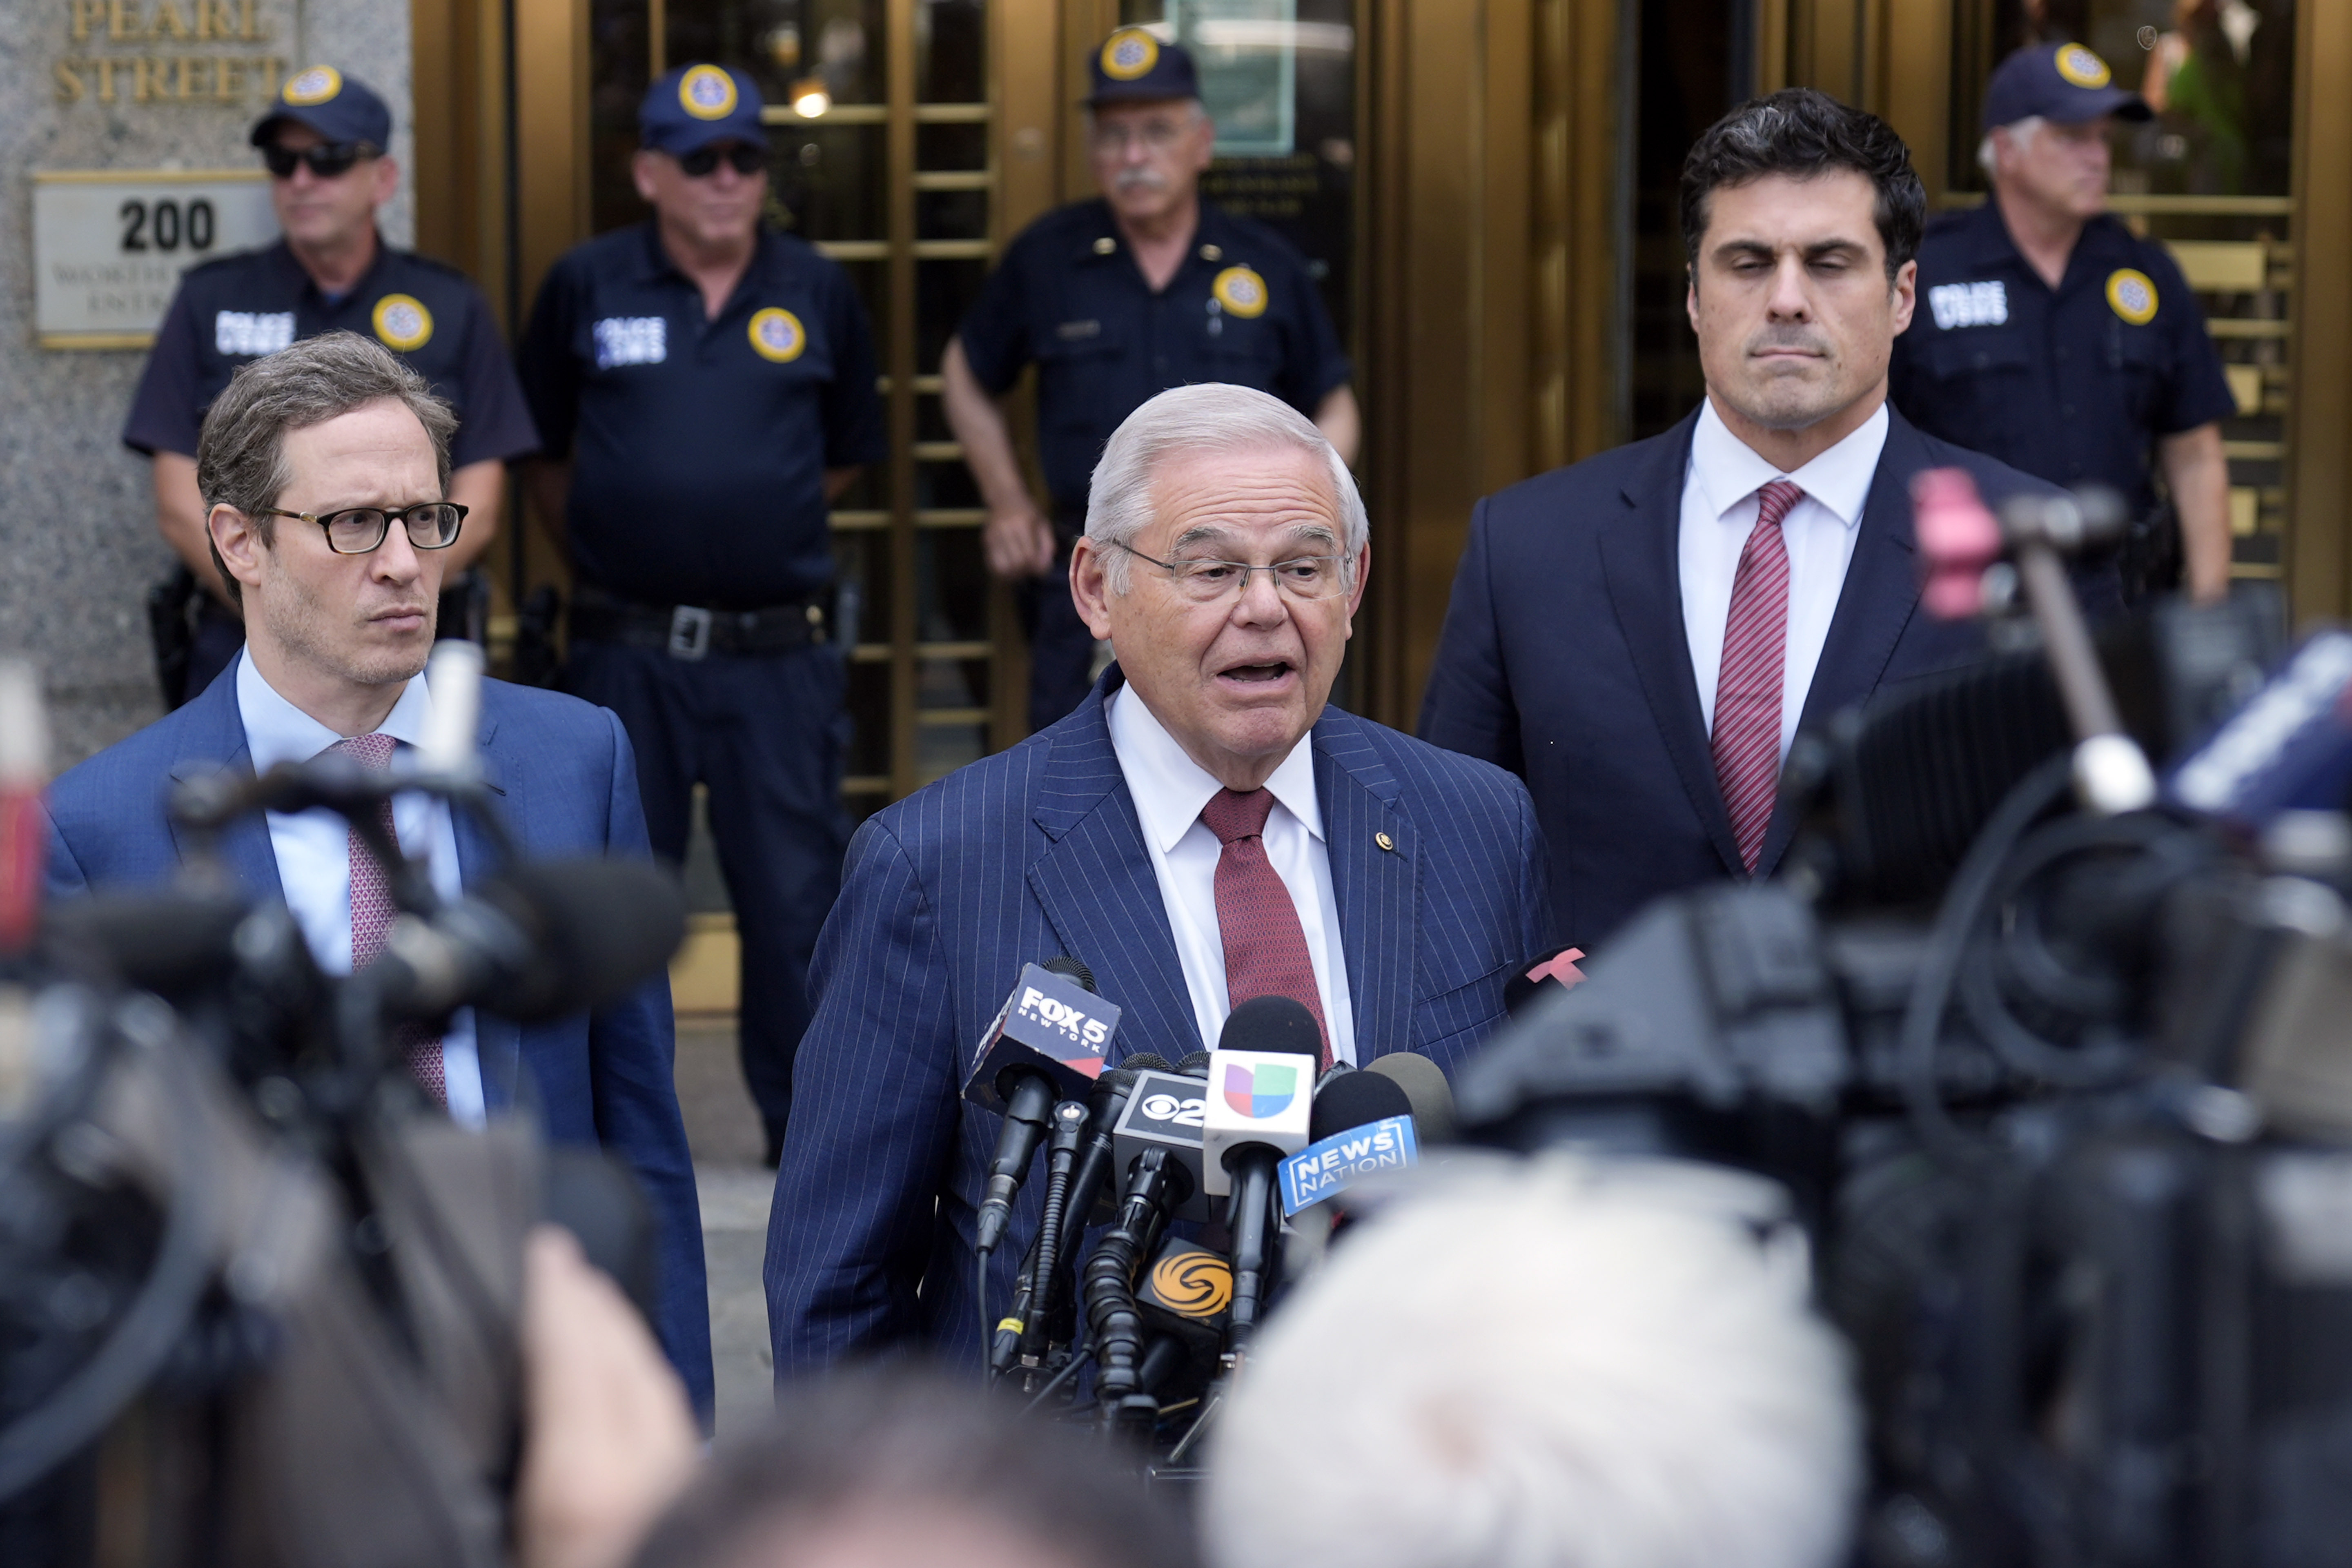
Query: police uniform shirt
(1068, 295)
(698, 446)
(2072, 385)
(231, 312)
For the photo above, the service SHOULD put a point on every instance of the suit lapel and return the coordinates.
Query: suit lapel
(1880, 595)
(1098, 890)
(213, 741)
(498, 1042)
(1641, 559)
(1376, 890)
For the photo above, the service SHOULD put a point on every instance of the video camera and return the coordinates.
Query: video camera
(259, 1294)
(2052, 1059)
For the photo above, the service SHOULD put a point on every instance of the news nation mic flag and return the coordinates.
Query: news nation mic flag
(1254, 1097)
(1050, 1024)
(1326, 1169)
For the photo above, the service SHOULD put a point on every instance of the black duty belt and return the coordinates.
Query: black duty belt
(690, 631)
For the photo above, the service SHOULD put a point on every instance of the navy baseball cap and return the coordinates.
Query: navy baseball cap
(1133, 66)
(694, 106)
(2065, 82)
(338, 107)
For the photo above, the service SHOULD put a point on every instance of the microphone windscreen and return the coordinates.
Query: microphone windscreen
(1272, 1023)
(1145, 1061)
(1194, 1065)
(1353, 1099)
(1424, 1083)
(1064, 964)
(174, 944)
(600, 928)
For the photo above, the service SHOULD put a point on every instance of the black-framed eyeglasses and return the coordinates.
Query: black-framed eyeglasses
(747, 157)
(328, 160)
(1208, 582)
(431, 525)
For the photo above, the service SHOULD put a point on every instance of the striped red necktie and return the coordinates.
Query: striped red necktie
(1265, 947)
(373, 912)
(1755, 655)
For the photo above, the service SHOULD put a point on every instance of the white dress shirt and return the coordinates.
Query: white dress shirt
(1719, 513)
(313, 848)
(1170, 790)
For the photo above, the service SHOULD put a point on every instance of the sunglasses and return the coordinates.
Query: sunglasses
(328, 160)
(747, 159)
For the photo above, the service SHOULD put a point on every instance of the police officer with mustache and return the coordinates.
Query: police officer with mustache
(1114, 300)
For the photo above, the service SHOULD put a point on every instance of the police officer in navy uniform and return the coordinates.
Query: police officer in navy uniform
(323, 141)
(2049, 336)
(705, 387)
(1114, 300)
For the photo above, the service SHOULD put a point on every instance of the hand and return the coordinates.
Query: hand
(1020, 542)
(608, 1438)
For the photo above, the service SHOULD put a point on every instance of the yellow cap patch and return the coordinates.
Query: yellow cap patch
(1130, 53)
(403, 322)
(1241, 292)
(707, 92)
(777, 335)
(2083, 68)
(2133, 295)
(319, 84)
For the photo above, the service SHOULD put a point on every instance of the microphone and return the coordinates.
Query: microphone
(1164, 1112)
(1045, 1043)
(1424, 1084)
(2288, 748)
(1260, 1108)
(453, 679)
(537, 942)
(1363, 1125)
(24, 771)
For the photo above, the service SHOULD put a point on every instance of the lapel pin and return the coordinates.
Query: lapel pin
(1385, 842)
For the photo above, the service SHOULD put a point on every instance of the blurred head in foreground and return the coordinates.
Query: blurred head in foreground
(1537, 1367)
(903, 1469)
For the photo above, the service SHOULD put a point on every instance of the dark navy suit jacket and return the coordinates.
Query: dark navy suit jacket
(564, 776)
(1037, 851)
(1564, 659)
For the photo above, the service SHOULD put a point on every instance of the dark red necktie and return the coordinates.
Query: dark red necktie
(1755, 656)
(1265, 949)
(373, 912)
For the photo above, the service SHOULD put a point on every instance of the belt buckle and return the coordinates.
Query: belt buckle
(689, 632)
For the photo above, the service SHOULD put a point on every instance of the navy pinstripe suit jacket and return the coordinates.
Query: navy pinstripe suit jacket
(1037, 851)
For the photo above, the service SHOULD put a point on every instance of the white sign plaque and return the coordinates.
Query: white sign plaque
(108, 244)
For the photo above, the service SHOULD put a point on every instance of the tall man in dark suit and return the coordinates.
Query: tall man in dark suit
(1203, 830)
(1640, 637)
(325, 471)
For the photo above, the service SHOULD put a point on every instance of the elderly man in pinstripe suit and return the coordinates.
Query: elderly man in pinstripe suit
(1203, 830)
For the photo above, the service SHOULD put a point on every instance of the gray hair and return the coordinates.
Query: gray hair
(1209, 418)
(241, 453)
(2020, 132)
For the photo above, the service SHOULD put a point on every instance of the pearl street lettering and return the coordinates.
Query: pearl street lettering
(1969, 304)
(177, 74)
(631, 340)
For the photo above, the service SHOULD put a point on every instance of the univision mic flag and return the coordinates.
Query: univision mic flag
(1254, 1097)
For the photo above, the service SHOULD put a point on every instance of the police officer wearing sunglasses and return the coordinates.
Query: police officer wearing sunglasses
(705, 386)
(323, 141)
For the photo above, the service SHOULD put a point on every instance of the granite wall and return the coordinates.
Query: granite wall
(78, 541)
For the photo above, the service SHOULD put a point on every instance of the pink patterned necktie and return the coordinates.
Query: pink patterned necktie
(373, 912)
(1265, 948)
(1755, 655)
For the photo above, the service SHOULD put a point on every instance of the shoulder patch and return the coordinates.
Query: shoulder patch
(403, 322)
(1241, 292)
(2132, 294)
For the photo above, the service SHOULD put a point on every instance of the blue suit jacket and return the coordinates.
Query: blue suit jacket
(1564, 659)
(565, 775)
(1037, 851)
